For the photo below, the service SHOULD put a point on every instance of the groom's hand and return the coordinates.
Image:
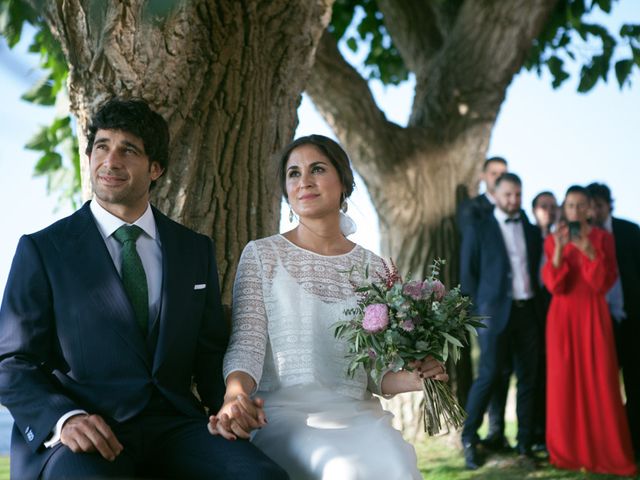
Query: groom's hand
(90, 433)
(238, 417)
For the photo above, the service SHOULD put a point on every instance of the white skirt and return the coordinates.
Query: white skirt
(315, 434)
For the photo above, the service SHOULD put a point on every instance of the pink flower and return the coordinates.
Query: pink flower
(413, 289)
(438, 289)
(376, 317)
(407, 325)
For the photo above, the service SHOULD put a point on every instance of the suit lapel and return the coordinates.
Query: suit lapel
(174, 287)
(84, 251)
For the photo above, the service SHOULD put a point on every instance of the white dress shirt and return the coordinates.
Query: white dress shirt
(150, 251)
(514, 241)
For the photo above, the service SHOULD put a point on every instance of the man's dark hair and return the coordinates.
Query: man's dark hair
(133, 116)
(491, 160)
(330, 149)
(534, 202)
(600, 191)
(508, 177)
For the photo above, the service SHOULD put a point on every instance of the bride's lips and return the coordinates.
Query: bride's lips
(309, 196)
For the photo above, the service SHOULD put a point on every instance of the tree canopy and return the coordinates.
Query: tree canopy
(567, 37)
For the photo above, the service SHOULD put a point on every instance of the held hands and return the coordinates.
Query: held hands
(90, 433)
(583, 243)
(238, 416)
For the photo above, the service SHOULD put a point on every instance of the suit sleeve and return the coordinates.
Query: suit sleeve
(27, 336)
(212, 341)
(470, 263)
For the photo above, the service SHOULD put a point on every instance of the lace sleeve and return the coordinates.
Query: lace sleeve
(248, 341)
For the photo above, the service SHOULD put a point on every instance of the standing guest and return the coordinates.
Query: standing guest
(473, 211)
(586, 423)
(290, 290)
(623, 298)
(500, 258)
(107, 317)
(545, 211)
(476, 208)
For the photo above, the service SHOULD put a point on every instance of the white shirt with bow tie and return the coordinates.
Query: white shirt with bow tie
(514, 241)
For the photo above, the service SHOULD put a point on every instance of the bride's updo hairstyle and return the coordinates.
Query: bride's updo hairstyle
(330, 149)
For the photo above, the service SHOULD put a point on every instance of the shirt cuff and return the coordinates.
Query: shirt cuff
(57, 430)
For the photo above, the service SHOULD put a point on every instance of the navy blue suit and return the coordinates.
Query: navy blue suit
(69, 339)
(627, 238)
(511, 334)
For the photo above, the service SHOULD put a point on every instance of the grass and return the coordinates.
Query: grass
(4, 468)
(440, 458)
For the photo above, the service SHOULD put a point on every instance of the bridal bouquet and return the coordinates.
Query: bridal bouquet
(397, 322)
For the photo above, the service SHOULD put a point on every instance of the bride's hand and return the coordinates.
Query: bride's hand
(429, 367)
(238, 417)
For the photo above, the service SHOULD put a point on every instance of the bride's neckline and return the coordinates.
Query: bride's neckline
(355, 246)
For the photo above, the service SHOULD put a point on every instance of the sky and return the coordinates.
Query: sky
(551, 139)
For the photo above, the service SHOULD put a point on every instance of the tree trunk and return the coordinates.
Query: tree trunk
(464, 55)
(227, 75)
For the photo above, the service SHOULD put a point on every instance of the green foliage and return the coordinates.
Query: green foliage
(56, 142)
(567, 36)
(383, 61)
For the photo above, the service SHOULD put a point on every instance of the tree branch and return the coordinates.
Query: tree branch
(413, 25)
(466, 83)
(345, 101)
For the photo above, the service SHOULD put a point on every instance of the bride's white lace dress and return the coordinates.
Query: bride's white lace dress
(323, 424)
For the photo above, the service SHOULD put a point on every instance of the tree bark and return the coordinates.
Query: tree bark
(227, 75)
(417, 175)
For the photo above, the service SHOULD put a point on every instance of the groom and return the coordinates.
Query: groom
(108, 317)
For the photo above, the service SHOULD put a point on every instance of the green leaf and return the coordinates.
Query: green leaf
(41, 93)
(352, 43)
(623, 69)
(48, 162)
(40, 141)
(452, 340)
(588, 78)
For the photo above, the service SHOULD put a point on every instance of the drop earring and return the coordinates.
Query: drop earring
(291, 216)
(344, 206)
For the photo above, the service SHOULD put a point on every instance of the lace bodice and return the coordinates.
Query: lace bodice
(285, 302)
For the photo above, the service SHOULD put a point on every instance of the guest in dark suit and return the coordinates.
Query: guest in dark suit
(623, 299)
(476, 208)
(108, 315)
(500, 257)
(473, 211)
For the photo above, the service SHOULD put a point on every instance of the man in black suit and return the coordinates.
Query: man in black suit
(107, 318)
(623, 298)
(476, 208)
(500, 257)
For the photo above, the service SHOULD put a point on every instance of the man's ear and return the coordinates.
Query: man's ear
(156, 171)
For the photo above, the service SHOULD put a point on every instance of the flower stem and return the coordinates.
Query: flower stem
(440, 408)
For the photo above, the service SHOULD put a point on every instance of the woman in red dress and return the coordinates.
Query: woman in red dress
(586, 422)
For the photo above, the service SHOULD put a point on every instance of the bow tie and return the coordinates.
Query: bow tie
(512, 220)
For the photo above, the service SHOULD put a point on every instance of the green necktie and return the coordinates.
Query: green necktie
(133, 276)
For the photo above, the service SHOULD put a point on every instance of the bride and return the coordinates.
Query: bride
(289, 291)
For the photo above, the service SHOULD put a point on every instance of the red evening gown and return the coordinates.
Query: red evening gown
(586, 422)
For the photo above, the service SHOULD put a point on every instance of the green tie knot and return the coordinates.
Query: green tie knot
(134, 278)
(127, 233)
